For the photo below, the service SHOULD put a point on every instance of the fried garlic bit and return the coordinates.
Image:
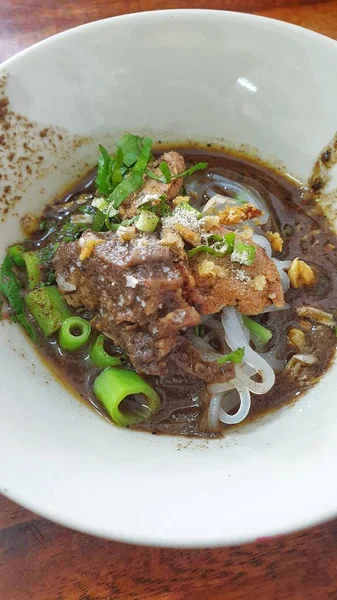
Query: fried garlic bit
(315, 314)
(179, 199)
(300, 274)
(87, 248)
(296, 338)
(208, 268)
(171, 239)
(29, 223)
(275, 240)
(232, 215)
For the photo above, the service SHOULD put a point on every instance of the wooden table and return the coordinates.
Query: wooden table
(43, 561)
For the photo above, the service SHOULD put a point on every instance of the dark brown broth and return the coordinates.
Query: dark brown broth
(306, 234)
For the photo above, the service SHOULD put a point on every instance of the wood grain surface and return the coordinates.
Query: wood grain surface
(43, 561)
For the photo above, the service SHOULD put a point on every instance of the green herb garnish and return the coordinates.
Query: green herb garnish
(134, 179)
(222, 246)
(11, 288)
(235, 357)
(243, 253)
(131, 146)
(258, 333)
(188, 172)
(103, 172)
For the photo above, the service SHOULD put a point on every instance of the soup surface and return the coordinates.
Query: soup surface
(217, 287)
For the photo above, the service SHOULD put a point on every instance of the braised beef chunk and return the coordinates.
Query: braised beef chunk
(138, 288)
(219, 282)
(152, 189)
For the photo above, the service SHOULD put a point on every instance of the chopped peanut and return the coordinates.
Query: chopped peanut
(126, 233)
(88, 246)
(300, 273)
(275, 240)
(247, 232)
(190, 236)
(209, 268)
(236, 214)
(259, 282)
(297, 338)
(179, 199)
(172, 240)
(310, 312)
(30, 223)
(210, 222)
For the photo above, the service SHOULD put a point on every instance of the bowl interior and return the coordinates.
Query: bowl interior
(178, 75)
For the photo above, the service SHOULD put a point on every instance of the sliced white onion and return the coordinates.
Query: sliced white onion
(216, 204)
(305, 359)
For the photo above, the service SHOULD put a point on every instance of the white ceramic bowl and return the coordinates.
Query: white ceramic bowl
(199, 75)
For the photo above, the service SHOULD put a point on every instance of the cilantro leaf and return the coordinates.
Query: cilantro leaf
(103, 172)
(131, 146)
(188, 172)
(134, 179)
(165, 171)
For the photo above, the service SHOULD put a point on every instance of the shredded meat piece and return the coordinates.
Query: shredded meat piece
(219, 282)
(152, 189)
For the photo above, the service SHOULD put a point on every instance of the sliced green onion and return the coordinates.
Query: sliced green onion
(112, 386)
(235, 357)
(258, 333)
(198, 249)
(16, 252)
(33, 267)
(147, 221)
(74, 334)
(189, 208)
(222, 246)
(199, 330)
(100, 357)
(48, 308)
(243, 253)
(11, 288)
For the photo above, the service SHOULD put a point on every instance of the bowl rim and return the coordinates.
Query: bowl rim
(152, 14)
(321, 515)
